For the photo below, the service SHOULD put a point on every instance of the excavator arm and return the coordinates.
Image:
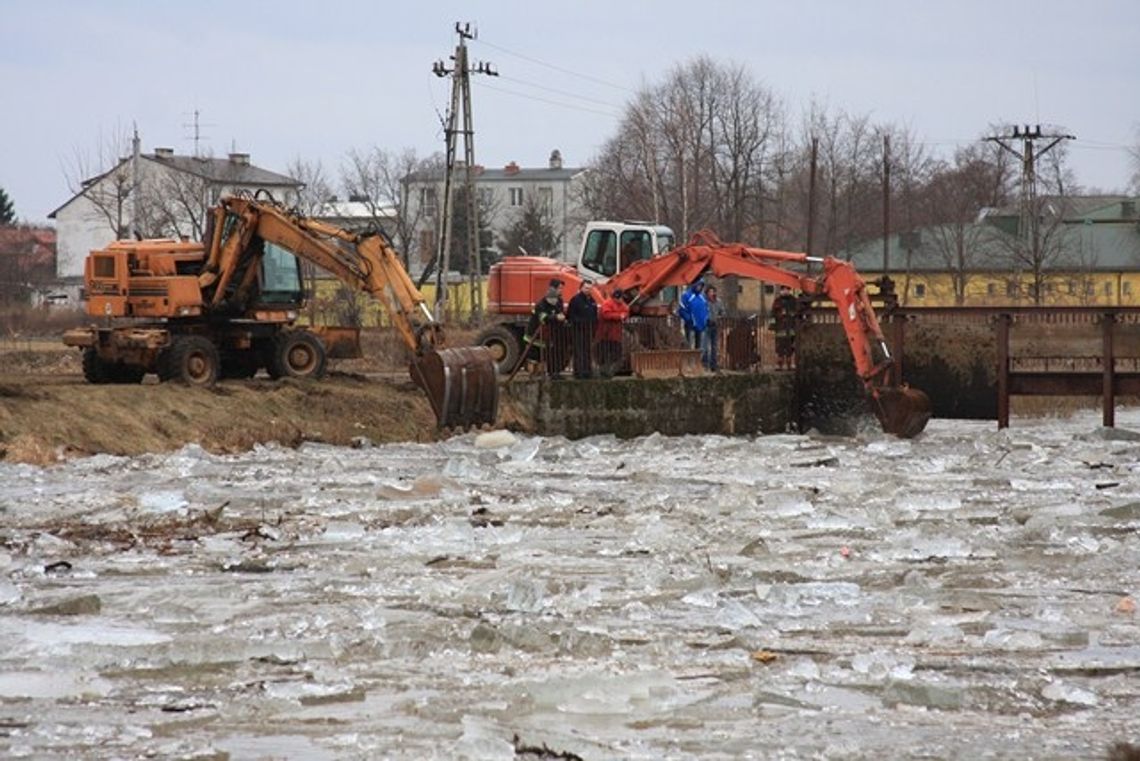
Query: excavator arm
(901, 410)
(461, 383)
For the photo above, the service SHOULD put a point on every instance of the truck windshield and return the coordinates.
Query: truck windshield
(280, 276)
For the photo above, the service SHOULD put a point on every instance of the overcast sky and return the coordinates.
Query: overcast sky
(313, 79)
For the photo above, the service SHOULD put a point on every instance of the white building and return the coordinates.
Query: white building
(175, 193)
(504, 193)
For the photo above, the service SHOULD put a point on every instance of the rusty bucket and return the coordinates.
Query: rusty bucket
(901, 410)
(462, 385)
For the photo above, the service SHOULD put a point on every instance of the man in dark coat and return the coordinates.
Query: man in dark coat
(545, 331)
(582, 314)
(785, 311)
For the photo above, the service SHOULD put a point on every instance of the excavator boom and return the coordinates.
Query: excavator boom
(902, 411)
(460, 383)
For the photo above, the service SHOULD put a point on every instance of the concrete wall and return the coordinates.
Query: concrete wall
(626, 407)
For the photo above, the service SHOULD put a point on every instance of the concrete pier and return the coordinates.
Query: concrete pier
(731, 403)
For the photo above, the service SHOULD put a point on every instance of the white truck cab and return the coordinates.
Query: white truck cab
(610, 247)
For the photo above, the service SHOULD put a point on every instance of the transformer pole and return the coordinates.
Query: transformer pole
(1029, 225)
(460, 73)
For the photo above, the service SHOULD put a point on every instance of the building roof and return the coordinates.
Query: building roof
(227, 171)
(334, 209)
(506, 174)
(34, 247)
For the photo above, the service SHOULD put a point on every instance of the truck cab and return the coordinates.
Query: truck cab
(610, 247)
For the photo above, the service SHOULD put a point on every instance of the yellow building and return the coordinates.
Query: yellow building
(1086, 255)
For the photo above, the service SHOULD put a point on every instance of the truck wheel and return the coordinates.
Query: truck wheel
(503, 344)
(192, 360)
(298, 354)
(95, 369)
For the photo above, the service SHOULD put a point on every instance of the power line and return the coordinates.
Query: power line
(560, 92)
(528, 96)
(555, 67)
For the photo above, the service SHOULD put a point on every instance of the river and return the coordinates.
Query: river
(968, 594)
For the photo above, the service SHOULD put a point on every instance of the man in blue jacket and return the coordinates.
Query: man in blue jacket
(694, 312)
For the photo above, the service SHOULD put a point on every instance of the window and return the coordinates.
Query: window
(280, 276)
(1011, 289)
(484, 196)
(1108, 289)
(1126, 288)
(516, 196)
(635, 246)
(920, 290)
(546, 198)
(991, 289)
(600, 255)
(428, 201)
(769, 289)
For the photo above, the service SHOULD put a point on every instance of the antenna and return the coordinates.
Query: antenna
(196, 135)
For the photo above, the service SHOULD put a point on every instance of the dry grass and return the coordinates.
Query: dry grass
(46, 419)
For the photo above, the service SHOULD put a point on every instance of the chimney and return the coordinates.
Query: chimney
(511, 168)
(239, 159)
(556, 159)
(163, 153)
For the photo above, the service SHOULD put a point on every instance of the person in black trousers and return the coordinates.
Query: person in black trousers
(544, 331)
(582, 314)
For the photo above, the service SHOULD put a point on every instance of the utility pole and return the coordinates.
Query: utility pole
(136, 191)
(460, 73)
(1029, 223)
(811, 194)
(886, 204)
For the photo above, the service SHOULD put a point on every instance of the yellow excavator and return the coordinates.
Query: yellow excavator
(228, 307)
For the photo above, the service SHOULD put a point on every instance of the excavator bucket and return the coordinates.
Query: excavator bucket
(462, 385)
(901, 410)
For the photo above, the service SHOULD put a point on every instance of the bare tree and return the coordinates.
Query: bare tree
(102, 174)
(316, 189)
(1134, 153)
(955, 197)
(377, 178)
(312, 199)
(174, 204)
(691, 152)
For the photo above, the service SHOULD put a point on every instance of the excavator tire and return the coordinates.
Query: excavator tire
(98, 370)
(503, 343)
(95, 370)
(192, 360)
(298, 354)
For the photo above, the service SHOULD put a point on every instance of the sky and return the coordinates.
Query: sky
(287, 79)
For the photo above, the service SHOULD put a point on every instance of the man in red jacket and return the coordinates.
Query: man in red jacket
(613, 312)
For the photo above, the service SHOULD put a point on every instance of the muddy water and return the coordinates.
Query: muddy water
(963, 595)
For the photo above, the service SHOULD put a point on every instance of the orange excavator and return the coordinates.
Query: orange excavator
(227, 307)
(901, 410)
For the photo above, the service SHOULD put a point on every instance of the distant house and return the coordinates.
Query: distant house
(174, 193)
(1089, 255)
(27, 264)
(502, 195)
(357, 214)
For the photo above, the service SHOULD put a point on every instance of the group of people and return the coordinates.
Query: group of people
(700, 311)
(583, 324)
(594, 330)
